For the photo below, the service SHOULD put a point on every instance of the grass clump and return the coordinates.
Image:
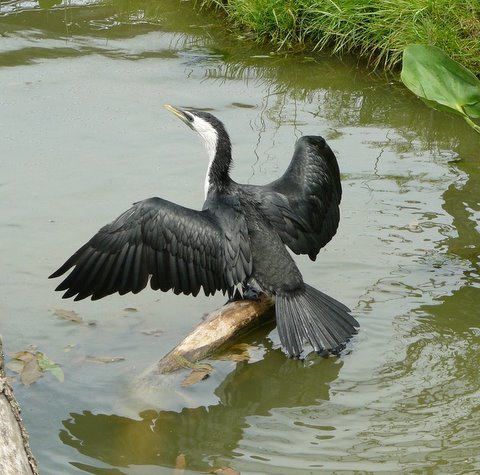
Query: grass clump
(378, 29)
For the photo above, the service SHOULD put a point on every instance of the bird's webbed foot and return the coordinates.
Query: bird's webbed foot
(247, 293)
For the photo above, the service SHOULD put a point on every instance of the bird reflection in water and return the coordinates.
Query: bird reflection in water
(204, 434)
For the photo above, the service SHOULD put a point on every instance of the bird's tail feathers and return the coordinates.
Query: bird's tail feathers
(311, 315)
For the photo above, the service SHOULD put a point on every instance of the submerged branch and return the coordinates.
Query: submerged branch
(218, 329)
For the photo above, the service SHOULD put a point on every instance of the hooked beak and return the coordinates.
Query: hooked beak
(179, 113)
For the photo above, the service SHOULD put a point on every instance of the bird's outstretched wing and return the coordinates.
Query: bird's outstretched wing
(177, 247)
(303, 204)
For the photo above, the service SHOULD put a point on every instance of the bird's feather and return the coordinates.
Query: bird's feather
(303, 204)
(179, 248)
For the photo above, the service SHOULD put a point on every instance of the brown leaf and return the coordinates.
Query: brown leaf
(233, 357)
(69, 315)
(130, 309)
(153, 332)
(224, 471)
(180, 464)
(24, 356)
(15, 365)
(238, 352)
(197, 375)
(104, 359)
(31, 372)
(31, 366)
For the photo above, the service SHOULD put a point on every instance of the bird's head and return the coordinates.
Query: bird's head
(210, 129)
(216, 140)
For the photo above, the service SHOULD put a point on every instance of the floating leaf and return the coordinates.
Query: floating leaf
(24, 356)
(153, 332)
(130, 309)
(224, 471)
(72, 316)
(441, 82)
(199, 374)
(31, 372)
(180, 464)
(46, 364)
(31, 366)
(69, 315)
(15, 365)
(238, 352)
(104, 359)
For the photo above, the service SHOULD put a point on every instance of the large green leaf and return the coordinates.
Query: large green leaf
(441, 82)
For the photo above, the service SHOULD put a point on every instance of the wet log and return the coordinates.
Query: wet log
(15, 454)
(219, 328)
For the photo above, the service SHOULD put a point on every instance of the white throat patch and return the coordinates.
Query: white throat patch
(210, 139)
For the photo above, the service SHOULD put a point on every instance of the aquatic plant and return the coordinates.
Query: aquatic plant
(441, 82)
(378, 29)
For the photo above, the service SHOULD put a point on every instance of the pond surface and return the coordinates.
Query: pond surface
(84, 135)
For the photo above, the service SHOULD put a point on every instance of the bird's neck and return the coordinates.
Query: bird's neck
(220, 159)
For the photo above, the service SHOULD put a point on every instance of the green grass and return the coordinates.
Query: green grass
(378, 30)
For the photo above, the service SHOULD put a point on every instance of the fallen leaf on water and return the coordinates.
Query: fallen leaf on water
(19, 361)
(238, 352)
(180, 464)
(31, 366)
(24, 356)
(46, 364)
(15, 365)
(104, 359)
(236, 357)
(197, 375)
(224, 471)
(69, 315)
(72, 316)
(130, 309)
(31, 372)
(153, 332)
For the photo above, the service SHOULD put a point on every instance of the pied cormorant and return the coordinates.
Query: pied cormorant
(238, 237)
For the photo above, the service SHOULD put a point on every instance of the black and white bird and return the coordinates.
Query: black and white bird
(239, 238)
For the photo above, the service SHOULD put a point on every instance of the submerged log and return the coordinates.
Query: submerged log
(218, 329)
(15, 454)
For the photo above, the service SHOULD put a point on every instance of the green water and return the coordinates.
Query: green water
(84, 135)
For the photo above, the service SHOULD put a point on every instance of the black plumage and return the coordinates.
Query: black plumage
(238, 237)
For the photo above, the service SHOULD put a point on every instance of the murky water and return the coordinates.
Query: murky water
(84, 135)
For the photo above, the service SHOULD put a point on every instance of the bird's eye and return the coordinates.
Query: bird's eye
(189, 117)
